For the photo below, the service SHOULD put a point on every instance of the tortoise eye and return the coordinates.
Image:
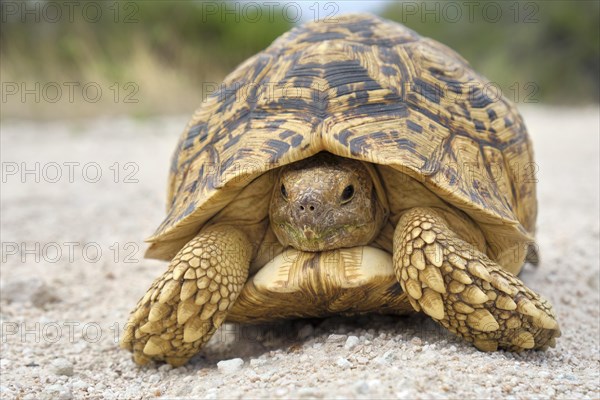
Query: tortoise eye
(283, 191)
(347, 194)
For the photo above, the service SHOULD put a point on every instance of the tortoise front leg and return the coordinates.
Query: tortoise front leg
(184, 307)
(463, 290)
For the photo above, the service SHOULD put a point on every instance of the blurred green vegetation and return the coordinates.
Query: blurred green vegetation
(536, 51)
(168, 49)
(181, 34)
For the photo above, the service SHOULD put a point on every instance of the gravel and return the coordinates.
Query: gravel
(65, 345)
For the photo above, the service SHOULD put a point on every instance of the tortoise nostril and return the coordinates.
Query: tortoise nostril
(307, 207)
(306, 204)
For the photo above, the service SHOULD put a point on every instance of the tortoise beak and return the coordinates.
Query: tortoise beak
(309, 233)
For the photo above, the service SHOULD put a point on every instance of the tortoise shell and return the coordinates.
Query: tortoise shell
(363, 88)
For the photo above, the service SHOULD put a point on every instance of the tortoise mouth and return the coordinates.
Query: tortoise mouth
(309, 233)
(311, 239)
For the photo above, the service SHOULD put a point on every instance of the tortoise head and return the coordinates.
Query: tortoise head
(326, 202)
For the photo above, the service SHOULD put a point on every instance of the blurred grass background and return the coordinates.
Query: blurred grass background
(152, 57)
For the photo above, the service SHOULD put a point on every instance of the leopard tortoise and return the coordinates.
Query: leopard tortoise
(350, 167)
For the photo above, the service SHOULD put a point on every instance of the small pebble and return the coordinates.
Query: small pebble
(230, 366)
(267, 375)
(79, 384)
(211, 394)
(165, 368)
(133, 392)
(336, 338)
(58, 392)
(343, 363)
(62, 366)
(362, 360)
(387, 358)
(257, 362)
(351, 342)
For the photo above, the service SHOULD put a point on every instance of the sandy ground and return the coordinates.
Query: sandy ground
(72, 269)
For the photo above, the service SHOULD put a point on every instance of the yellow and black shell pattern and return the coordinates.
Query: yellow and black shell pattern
(364, 88)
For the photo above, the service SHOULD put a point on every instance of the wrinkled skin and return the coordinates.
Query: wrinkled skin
(325, 203)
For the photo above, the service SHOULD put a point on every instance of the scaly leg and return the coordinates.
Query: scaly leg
(184, 307)
(463, 290)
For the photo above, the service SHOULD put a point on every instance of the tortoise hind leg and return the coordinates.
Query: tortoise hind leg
(463, 290)
(184, 307)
